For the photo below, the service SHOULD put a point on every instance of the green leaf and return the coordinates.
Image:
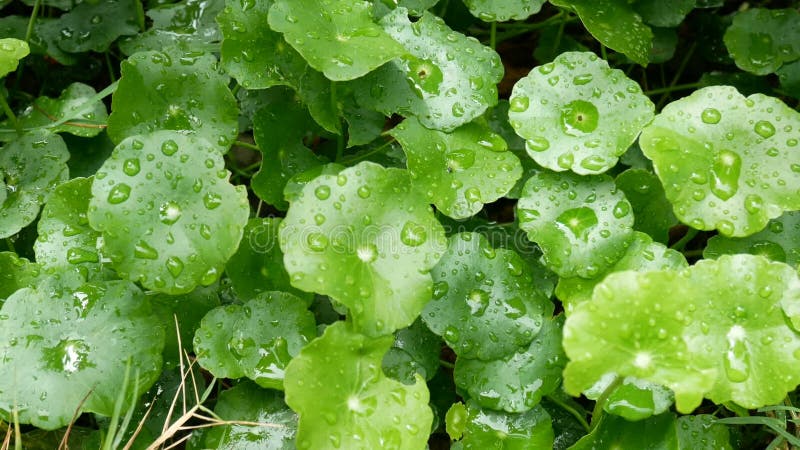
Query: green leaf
(336, 37)
(294, 187)
(487, 429)
(16, 273)
(159, 91)
(74, 342)
(641, 255)
(655, 433)
(415, 351)
(484, 303)
(279, 130)
(789, 75)
(247, 402)
(257, 266)
(86, 155)
(615, 24)
(170, 218)
(497, 120)
(85, 121)
(632, 399)
(187, 310)
(359, 407)
(30, 168)
(779, 241)
(582, 224)
(461, 170)
(65, 239)
(553, 42)
(760, 40)
(726, 162)
(652, 211)
(256, 340)
(415, 7)
(503, 10)
(11, 51)
(721, 333)
(93, 25)
(516, 383)
(368, 240)
(578, 114)
(700, 432)
(456, 421)
(445, 79)
(663, 14)
(187, 25)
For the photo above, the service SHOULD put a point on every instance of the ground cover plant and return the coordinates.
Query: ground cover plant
(408, 224)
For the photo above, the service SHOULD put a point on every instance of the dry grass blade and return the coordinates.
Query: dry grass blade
(64, 444)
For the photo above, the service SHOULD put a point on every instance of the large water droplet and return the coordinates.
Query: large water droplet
(459, 159)
(174, 266)
(478, 301)
(413, 234)
(519, 104)
(143, 250)
(764, 129)
(317, 242)
(212, 200)
(711, 116)
(169, 147)
(131, 166)
(537, 144)
(621, 209)
(119, 193)
(725, 174)
(322, 192)
(169, 212)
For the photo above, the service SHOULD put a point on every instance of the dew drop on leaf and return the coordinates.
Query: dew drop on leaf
(764, 129)
(119, 194)
(131, 166)
(711, 116)
(143, 250)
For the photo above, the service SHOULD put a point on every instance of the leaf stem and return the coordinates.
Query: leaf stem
(246, 145)
(10, 245)
(140, 15)
(111, 75)
(362, 156)
(603, 52)
(678, 74)
(340, 135)
(681, 244)
(9, 113)
(673, 88)
(447, 364)
(597, 412)
(493, 35)
(572, 411)
(32, 20)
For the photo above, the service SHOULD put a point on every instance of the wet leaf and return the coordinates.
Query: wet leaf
(700, 432)
(789, 75)
(652, 211)
(73, 341)
(11, 51)
(187, 25)
(363, 408)
(633, 399)
(170, 218)
(779, 241)
(503, 10)
(578, 114)
(656, 433)
(368, 240)
(663, 14)
(16, 273)
(726, 162)
(493, 429)
(760, 40)
(93, 25)
(415, 351)
(458, 171)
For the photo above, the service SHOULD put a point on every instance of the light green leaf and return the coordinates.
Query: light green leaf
(62, 343)
(11, 51)
(368, 240)
(497, 120)
(503, 10)
(445, 79)
(93, 25)
(700, 432)
(65, 239)
(652, 211)
(655, 433)
(632, 399)
(484, 303)
(170, 218)
(255, 340)
(456, 421)
(779, 241)
(461, 170)
(641, 255)
(578, 114)
(582, 224)
(16, 273)
(294, 187)
(30, 168)
(760, 40)
(159, 91)
(415, 7)
(516, 383)
(336, 37)
(359, 407)
(279, 130)
(415, 351)
(663, 14)
(726, 162)
(257, 266)
(249, 403)
(721, 333)
(615, 24)
(487, 429)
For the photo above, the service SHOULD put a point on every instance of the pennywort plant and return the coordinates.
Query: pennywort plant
(410, 224)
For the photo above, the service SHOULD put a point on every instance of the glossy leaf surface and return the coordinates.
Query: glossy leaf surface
(779, 241)
(94, 25)
(760, 40)
(503, 10)
(11, 51)
(652, 212)
(614, 432)
(493, 429)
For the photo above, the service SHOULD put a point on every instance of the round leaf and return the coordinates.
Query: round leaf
(61, 344)
(159, 91)
(614, 432)
(632, 399)
(503, 10)
(85, 121)
(30, 168)
(484, 302)
(16, 273)
(702, 432)
(170, 218)
(664, 14)
(257, 266)
(181, 316)
(779, 241)
(760, 40)
(578, 114)
(789, 75)
(641, 255)
(582, 224)
(721, 332)
(359, 407)
(445, 79)
(94, 25)
(336, 37)
(415, 350)
(368, 240)
(615, 24)
(256, 340)
(652, 211)
(726, 162)
(247, 402)
(492, 429)
(516, 383)
(461, 170)
(11, 51)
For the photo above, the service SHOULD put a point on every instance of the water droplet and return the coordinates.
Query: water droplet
(725, 174)
(582, 79)
(131, 166)
(737, 358)
(519, 104)
(711, 116)
(322, 192)
(205, 231)
(473, 195)
(174, 266)
(169, 212)
(364, 192)
(459, 160)
(457, 110)
(143, 250)
(753, 204)
(119, 193)
(537, 144)
(621, 209)
(440, 289)
(565, 160)
(451, 334)
(413, 234)
(317, 242)
(78, 255)
(764, 129)
(725, 227)
(212, 200)
(478, 301)
(169, 147)
(594, 163)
